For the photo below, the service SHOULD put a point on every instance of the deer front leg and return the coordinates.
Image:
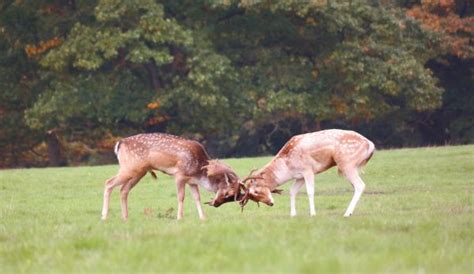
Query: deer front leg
(295, 188)
(197, 200)
(309, 181)
(180, 186)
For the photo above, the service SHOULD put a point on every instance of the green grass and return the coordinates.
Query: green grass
(415, 217)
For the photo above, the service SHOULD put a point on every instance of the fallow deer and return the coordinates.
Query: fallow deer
(308, 154)
(186, 160)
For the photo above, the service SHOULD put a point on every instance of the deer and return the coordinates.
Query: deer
(308, 154)
(186, 160)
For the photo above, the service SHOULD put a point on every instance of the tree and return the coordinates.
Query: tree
(323, 61)
(453, 21)
(456, 30)
(240, 76)
(20, 82)
(131, 66)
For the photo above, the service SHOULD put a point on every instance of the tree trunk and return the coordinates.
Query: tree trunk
(153, 74)
(54, 149)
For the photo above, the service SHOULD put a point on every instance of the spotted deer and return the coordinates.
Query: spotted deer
(186, 160)
(308, 154)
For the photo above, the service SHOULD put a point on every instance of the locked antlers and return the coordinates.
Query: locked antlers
(245, 187)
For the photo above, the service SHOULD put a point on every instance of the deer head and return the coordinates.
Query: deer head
(256, 189)
(228, 183)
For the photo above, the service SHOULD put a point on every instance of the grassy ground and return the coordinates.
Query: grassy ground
(415, 217)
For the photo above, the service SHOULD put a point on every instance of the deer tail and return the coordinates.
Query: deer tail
(117, 147)
(153, 174)
(370, 152)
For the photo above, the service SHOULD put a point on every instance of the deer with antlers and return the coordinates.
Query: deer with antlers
(308, 154)
(187, 161)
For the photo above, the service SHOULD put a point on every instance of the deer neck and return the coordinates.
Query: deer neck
(207, 184)
(276, 173)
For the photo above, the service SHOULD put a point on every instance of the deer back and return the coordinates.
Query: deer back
(324, 149)
(167, 153)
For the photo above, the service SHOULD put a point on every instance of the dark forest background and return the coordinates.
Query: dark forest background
(241, 77)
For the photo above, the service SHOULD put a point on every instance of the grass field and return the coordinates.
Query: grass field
(415, 217)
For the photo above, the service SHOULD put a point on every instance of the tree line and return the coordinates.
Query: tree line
(240, 76)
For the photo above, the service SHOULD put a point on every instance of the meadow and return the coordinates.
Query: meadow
(416, 216)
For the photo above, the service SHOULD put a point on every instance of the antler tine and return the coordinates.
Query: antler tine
(243, 202)
(251, 178)
(245, 198)
(252, 171)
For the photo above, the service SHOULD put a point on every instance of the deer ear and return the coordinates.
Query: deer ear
(277, 191)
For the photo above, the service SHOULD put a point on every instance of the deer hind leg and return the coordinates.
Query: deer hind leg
(124, 194)
(295, 188)
(309, 181)
(110, 184)
(197, 200)
(353, 176)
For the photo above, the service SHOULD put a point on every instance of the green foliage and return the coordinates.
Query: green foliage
(415, 215)
(456, 116)
(369, 59)
(138, 27)
(20, 83)
(105, 105)
(186, 76)
(205, 100)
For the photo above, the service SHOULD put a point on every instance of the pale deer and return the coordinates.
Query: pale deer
(186, 160)
(308, 154)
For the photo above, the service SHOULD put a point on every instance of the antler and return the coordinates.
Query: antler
(215, 168)
(247, 196)
(251, 178)
(245, 199)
